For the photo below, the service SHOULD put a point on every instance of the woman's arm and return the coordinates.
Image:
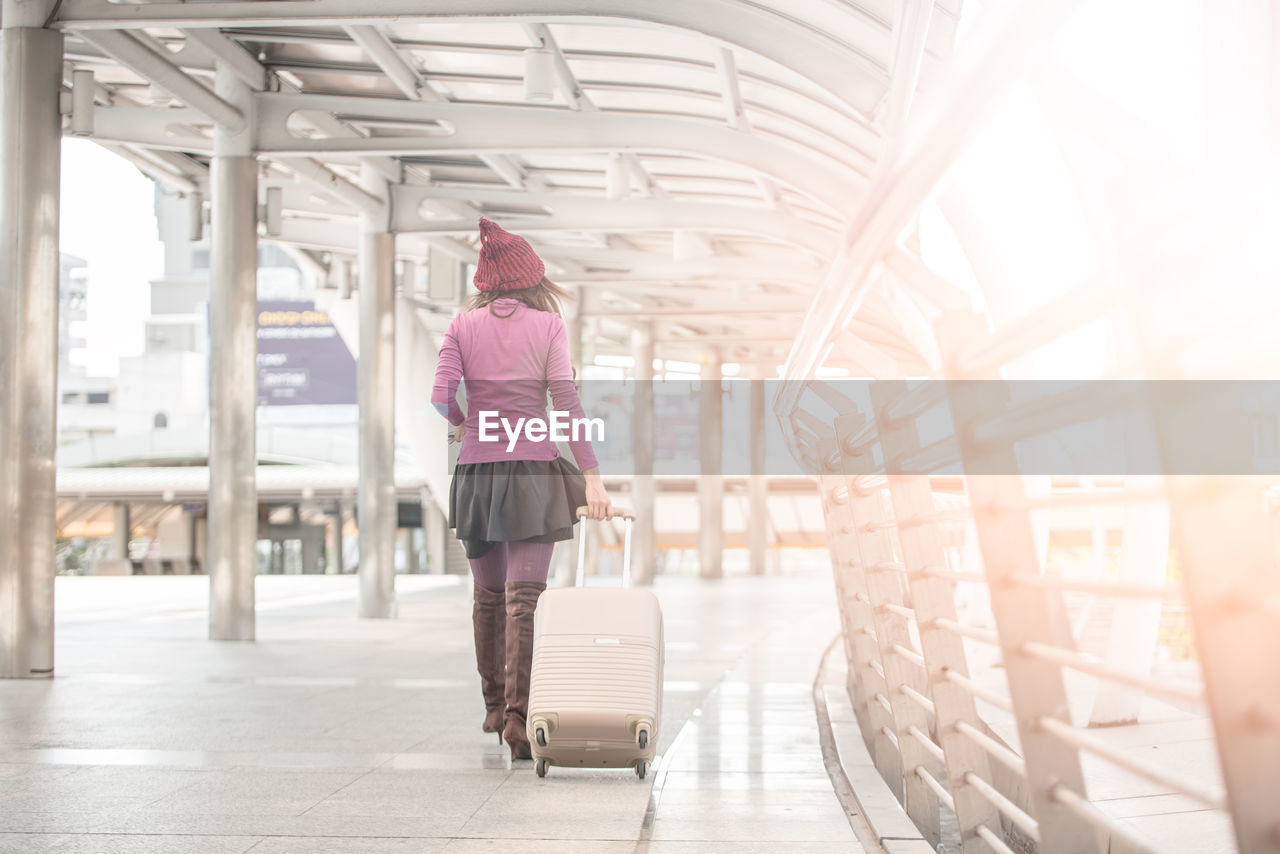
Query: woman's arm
(598, 504)
(444, 392)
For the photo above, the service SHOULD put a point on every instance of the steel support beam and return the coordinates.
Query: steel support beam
(30, 146)
(758, 484)
(577, 213)
(474, 128)
(233, 374)
(711, 476)
(817, 55)
(898, 190)
(379, 48)
(120, 530)
(435, 527)
(376, 381)
(153, 170)
(223, 49)
(910, 39)
(142, 60)
(645, 267)
(643, 489)
(575, 321)
(163, 130)
(335, 564)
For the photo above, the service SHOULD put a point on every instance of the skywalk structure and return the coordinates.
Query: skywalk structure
(730, 182)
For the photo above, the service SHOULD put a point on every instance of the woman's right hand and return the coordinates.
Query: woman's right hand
(598, 505)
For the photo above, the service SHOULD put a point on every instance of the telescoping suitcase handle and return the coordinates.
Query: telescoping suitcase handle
(628, 516)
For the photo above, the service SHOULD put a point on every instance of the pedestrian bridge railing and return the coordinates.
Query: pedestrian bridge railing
(968, 662)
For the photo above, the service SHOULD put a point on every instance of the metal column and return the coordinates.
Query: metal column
(233, 373)
(120, 530)
(30, 146)
(408, 542)
(642, 484)
(376, 378)
(436, 530)
(711, 482)
(576, 311)
(192, 518)
(757, 485)
(336, 521)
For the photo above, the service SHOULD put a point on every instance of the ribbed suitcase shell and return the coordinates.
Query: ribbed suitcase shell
(597, 676)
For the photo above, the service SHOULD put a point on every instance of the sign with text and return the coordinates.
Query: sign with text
(301, 358)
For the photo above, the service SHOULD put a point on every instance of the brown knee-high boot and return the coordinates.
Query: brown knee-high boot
(522, 599)
(489, 618)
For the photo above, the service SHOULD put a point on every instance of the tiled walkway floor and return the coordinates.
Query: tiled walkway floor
(332, 734)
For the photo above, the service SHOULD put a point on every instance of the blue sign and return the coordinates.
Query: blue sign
(302, 361)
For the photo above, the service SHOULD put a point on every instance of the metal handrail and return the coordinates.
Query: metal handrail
(997, 844)
(920, 699)
(1097, 588)
(1086, 810)
(987, 636)
(994, 749)
(1066, 732)
(937, 788)
(976, 690)
(1015, 813)
(931, 747)
(1091, 666)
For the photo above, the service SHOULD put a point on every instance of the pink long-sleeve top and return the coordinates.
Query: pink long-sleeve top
(510, 363)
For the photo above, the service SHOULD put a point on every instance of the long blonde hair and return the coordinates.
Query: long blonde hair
(544, 296)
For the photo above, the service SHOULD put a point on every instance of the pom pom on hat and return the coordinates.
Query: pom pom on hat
(507, 261)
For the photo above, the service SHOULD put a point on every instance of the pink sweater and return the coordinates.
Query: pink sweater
(509, 364)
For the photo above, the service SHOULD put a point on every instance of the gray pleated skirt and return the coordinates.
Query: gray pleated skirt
(508, 501)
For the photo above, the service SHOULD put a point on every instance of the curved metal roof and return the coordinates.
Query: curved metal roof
(697, 155)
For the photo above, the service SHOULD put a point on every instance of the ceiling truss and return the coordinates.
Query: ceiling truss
(739, 175)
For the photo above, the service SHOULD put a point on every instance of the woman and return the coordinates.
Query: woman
(510, 501)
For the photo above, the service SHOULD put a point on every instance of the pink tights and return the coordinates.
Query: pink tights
(512, 562)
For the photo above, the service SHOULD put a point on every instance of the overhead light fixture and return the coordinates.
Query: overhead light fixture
(539, 74)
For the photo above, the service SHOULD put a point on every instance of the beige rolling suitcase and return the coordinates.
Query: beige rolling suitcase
(595, 693)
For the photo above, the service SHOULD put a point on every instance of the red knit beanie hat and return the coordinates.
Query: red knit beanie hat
(507, 261)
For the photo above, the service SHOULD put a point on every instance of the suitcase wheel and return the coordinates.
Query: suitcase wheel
(541, 766)
(641, 768)
(540, 735)
(643, 739)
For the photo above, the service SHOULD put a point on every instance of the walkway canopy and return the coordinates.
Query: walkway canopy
(693, 163)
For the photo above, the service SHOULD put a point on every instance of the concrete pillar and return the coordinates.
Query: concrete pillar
(312, 550)
(410, 545)
(436, 528)
(120, 530)
(193, 540)
(202, 545)
(376, 379)
(335, 539)
(576, 310)
(233, 372)
(757, 484)
(643, 490)
(30, 145)
(711, 481)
